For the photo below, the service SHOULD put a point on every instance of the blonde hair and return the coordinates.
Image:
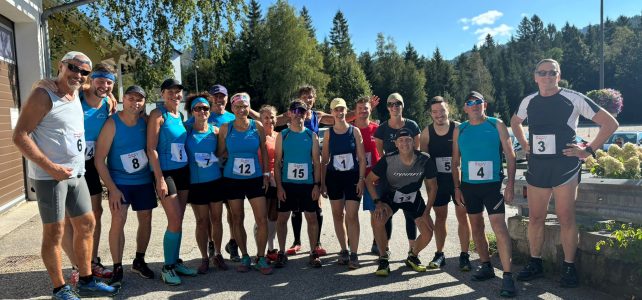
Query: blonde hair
(548, 60)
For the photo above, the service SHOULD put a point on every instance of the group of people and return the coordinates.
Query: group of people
(217, 159)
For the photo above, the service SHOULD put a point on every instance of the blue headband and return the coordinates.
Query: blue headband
(107, 75)
(200, 100)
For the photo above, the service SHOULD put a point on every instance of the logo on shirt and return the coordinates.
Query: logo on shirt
(400, 174)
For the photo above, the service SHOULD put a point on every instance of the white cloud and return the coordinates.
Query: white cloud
(502, 30)
(487, 18)
(466, 27)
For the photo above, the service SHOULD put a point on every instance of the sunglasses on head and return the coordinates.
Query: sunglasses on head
(395, 104)
(551, 73)
(299, 110)
(201, 108)
(473, 102)
(77, 69)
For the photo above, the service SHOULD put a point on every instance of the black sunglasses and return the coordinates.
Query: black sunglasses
(77, 69)
(201, 108)
(397, 104)
(551, 73)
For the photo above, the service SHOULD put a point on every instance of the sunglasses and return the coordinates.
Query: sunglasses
(77, 69)
(551, 73)
(474, 102)
(394, 104)
(298, 111)
(201, 108)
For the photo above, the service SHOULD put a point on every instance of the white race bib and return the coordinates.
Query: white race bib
(90, 149)
(75, 142)
(543, 144)
(205, 160)
(368, 159)
(243, 166)
(297, 171)
(135, 161)
(480, 170)
(178, 152)
(404, 198)
(343, 162)
(444, 164)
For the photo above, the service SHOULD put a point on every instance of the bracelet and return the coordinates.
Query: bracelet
(362, 178)
(317, 183)
(266, 174)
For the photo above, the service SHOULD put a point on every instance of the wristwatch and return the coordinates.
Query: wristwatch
(318, 183)
(590, 151)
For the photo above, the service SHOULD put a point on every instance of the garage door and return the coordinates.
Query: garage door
(11, 170)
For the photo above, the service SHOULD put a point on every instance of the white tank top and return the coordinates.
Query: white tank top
(60, 136)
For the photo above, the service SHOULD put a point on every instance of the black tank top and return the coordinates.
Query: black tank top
(440, 149)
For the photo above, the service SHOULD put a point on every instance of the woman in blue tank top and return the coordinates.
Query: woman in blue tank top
(205, 184)
(240, 141)
(166, 151)
(343, 179)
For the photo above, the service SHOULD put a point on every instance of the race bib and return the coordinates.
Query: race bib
(75, 142)
(90, 149)
(444, 164)
(368, 159)
(178, 152)
(543, 144)
(343, 162)
(297, 171)
(205, 160)
(480, 170)
(135, 161)
(404, 198)
(243, 166)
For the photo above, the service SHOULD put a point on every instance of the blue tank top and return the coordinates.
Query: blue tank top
(242, 151)
(297, 156)
(480, 148)
(343, 151)
(127, 160)
(171, 142)
(201, 149)
(94, 120)
(313, 123)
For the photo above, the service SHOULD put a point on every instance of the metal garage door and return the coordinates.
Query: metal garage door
(11, 170)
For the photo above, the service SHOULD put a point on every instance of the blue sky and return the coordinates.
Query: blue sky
(453, 26)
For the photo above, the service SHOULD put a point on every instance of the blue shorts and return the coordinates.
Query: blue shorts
(139, 196)
(368, 203)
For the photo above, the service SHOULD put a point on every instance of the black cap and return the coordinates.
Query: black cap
(403, 132)
(218, 89)
(136, 89)
(298, 104)
(475, 94)
(170, 83)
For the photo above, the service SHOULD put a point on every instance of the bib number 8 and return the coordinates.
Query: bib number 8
(135, 163)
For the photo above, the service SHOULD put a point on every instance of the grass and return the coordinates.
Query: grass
(492, 244)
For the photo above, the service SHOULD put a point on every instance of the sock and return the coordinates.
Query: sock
(85, 279)
(537, 260)
(178, 245)
(271, 234)
(463, 253)
(170, 240)
(508, 274)
(118, 265)
(568, 264)
(140, 255)
(487, 264)
(55, 290)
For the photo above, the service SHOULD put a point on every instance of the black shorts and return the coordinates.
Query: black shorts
(342, 185)
(298, 197)
(550, 173)
(413, 210)
(445, 192)
(240, 188)
(139, 196)
(205, 193)
(92, 178)
(176, 180)
(478, 196)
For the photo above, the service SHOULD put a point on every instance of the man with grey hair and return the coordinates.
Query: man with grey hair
(50, 134)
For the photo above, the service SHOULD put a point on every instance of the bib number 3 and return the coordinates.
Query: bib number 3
(544, 144)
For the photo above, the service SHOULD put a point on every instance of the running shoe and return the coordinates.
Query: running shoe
(464, 262)
(262, 266)
(414, 262)
(320, 250)
(296, 247)
(281, 260)
(98, 270)
(219, 263)
(314, 261)
(181, 269)
(117, 277)
(74, 277)
(210, 250)
(484, 272)
(532, 270)
(204, 267)
(139, 266)
(66, 293)
(354, 262)
(245, 265)
(344, 257)
(384, 267)
(272, 255)
(569, 277)
(438, 261)
(233, 249)
(95, 288)
(169, 276)
(508, 287)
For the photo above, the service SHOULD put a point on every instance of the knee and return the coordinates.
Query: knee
(261, 222)
(202, 222)
(311, 218)
(145, 217)
(98, 211)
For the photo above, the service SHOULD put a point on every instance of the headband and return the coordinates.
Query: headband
(107, 75)
(241, 97)
(199, 100)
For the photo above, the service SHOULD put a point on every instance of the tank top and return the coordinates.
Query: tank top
(440, 148)
(297, 156)
(343, 149)
(313, 122)
(201, 149)
(370, 146)
(171, 141)
(242, 150)
(94, 120)
(480, 148)
(127, 159)
(60, 136)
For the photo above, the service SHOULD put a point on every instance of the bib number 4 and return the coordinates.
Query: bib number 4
(480, 170)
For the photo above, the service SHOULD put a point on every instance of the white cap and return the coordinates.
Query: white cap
(77, 56)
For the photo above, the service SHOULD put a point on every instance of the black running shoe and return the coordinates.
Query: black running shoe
(139, 266)
(384, 267)
(508, 287)
(483, 272)
(281, 260)
(532, 270)
(569, 277)
(464, 262)
(116, 279)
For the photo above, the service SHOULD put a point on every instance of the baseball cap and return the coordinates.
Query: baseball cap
(403, 132)
(298, 104)
(216, 89)
(77, 56)
(136, 89)
(395, 96)
(475, 94)
(338, 102)
(170, 83)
